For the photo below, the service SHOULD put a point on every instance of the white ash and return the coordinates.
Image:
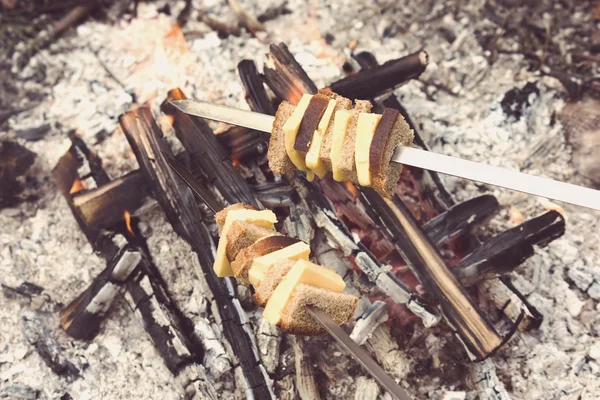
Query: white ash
(456, 102)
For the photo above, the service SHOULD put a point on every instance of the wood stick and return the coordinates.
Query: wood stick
(202, 145)
(182, 211)
(256, 95)
(376, 80)
(305, 377)
(286, 78)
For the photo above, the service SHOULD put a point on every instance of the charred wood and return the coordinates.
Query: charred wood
(82, 317)
(305, 377)
(366, 389)
(376, 80)
(256, 96)
(215, 354)
(286, 78)
(475, 331)
(485, 381)
(15, 160)
(509, 249)
(371, 318)
(274, 194)
(385, 349)
(206, 152)
(182, 211)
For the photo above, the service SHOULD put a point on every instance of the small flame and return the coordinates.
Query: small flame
(352, 189)
(235, 161)
(165, 122)
(127, 217)
(78, 186)
(169, 56)
(550, 206)
(515, 216)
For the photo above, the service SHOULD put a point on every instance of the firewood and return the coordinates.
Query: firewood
(376, 80)
(385, 349)
(512, 303)
(183, 212)
(256, 96)
(369, 320)
(305, 378)
(274, 194)
(15, 160)
(366, 389)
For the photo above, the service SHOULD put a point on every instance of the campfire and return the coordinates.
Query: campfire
(438, 302)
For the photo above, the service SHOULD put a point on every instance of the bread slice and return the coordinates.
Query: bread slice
(342, 103)
(242, 263)
(242, 234)
(271, 280)
(348, 165)
(279, 162)
(387, 178)
(222, 215)
(298, 321)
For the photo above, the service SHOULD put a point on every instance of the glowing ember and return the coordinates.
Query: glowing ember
(515, 216)
(165, 122)
(235, 161)
(169, 57)
(78, 186)
(127, 217)
(550, 206)
(352, 189)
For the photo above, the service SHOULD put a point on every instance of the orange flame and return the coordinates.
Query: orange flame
(515, 216)
(550, 206)
(78, 186)
(169, 56)
(235, 161)
(127, 217)
(352, 189)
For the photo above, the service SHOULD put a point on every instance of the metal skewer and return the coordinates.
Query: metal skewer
(475, 171)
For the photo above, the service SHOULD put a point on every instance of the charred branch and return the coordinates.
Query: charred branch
(305, 377)
(182, 211)
(256, 96)
(376, 80)
(512, 303)
(475, 331)
(274, 194)
(243, 145)
(286, 78)
(15, 160)
(510, 249)
(206, 152)
(371, 318)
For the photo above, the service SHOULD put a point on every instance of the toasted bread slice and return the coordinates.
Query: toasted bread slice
(279, 162)
(298, 321)
(222, 215)
(342, 103)
(272, 278)
(242, 234)
(242, 263)
(347, 161)
(389, 173)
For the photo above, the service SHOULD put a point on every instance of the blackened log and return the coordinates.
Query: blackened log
(82, 317)
(15, 160)
(206, 152)
(182, 211)
(256, 96)
(285, 76)
(305, 377)
(461, 218)
(103, 207)
(274, 194)
(376, 80)
(509, 249)
(473, 328)
(244, 144)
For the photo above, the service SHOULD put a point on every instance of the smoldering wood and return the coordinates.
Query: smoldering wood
(475, 331)
(244, 145)
(184, 214)
(148, 299)
(366, 389)
(103, 207)
(206, 152)
(82, 317)
(375, 80)
(483, 379)
(305, 377)
(386, 351)
(15, 161)
(274, 194)
(368, 321)
(299, 223)
(269, 343)
(256, 96)
(41, 338)
(215, 354)
(512, 303)
(460, 218)
(286, 78)
(510, 248)
(330, 257)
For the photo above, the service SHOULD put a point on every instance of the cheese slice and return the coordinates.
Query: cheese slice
(341, 121)
(302, 272)
(262, 265)
(264, 218)
(313, 161)
(290, 130)
(365, 129)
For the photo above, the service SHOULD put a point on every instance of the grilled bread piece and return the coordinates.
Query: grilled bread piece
(222, 215)
(271, 280)
(347, 161)
(342, 103)
(279, 162)
(243, 261)
(243, 234)
(298, 321)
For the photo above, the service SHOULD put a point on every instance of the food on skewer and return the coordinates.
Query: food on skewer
(323, 134)
(285, 282)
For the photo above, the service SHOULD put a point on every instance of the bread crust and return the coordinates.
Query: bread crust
(279, 162)
(222, 215)
(242, 263)
(242, 234)
(310, 120)
(348, 163)
(271, 280)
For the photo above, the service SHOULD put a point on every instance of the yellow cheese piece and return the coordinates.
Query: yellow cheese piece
(261, 265)
(264, 218)
(290, 130)
(313, 161)
(365, 129)
(341, 121)
(302, 272)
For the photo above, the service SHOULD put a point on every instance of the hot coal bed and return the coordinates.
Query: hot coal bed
(206, 330)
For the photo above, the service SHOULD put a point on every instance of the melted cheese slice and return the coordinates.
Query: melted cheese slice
(261, 265)
(341, 121)
(302, 272)
(365, 129)
(290, 130)
(264, 218)
(313, 161)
